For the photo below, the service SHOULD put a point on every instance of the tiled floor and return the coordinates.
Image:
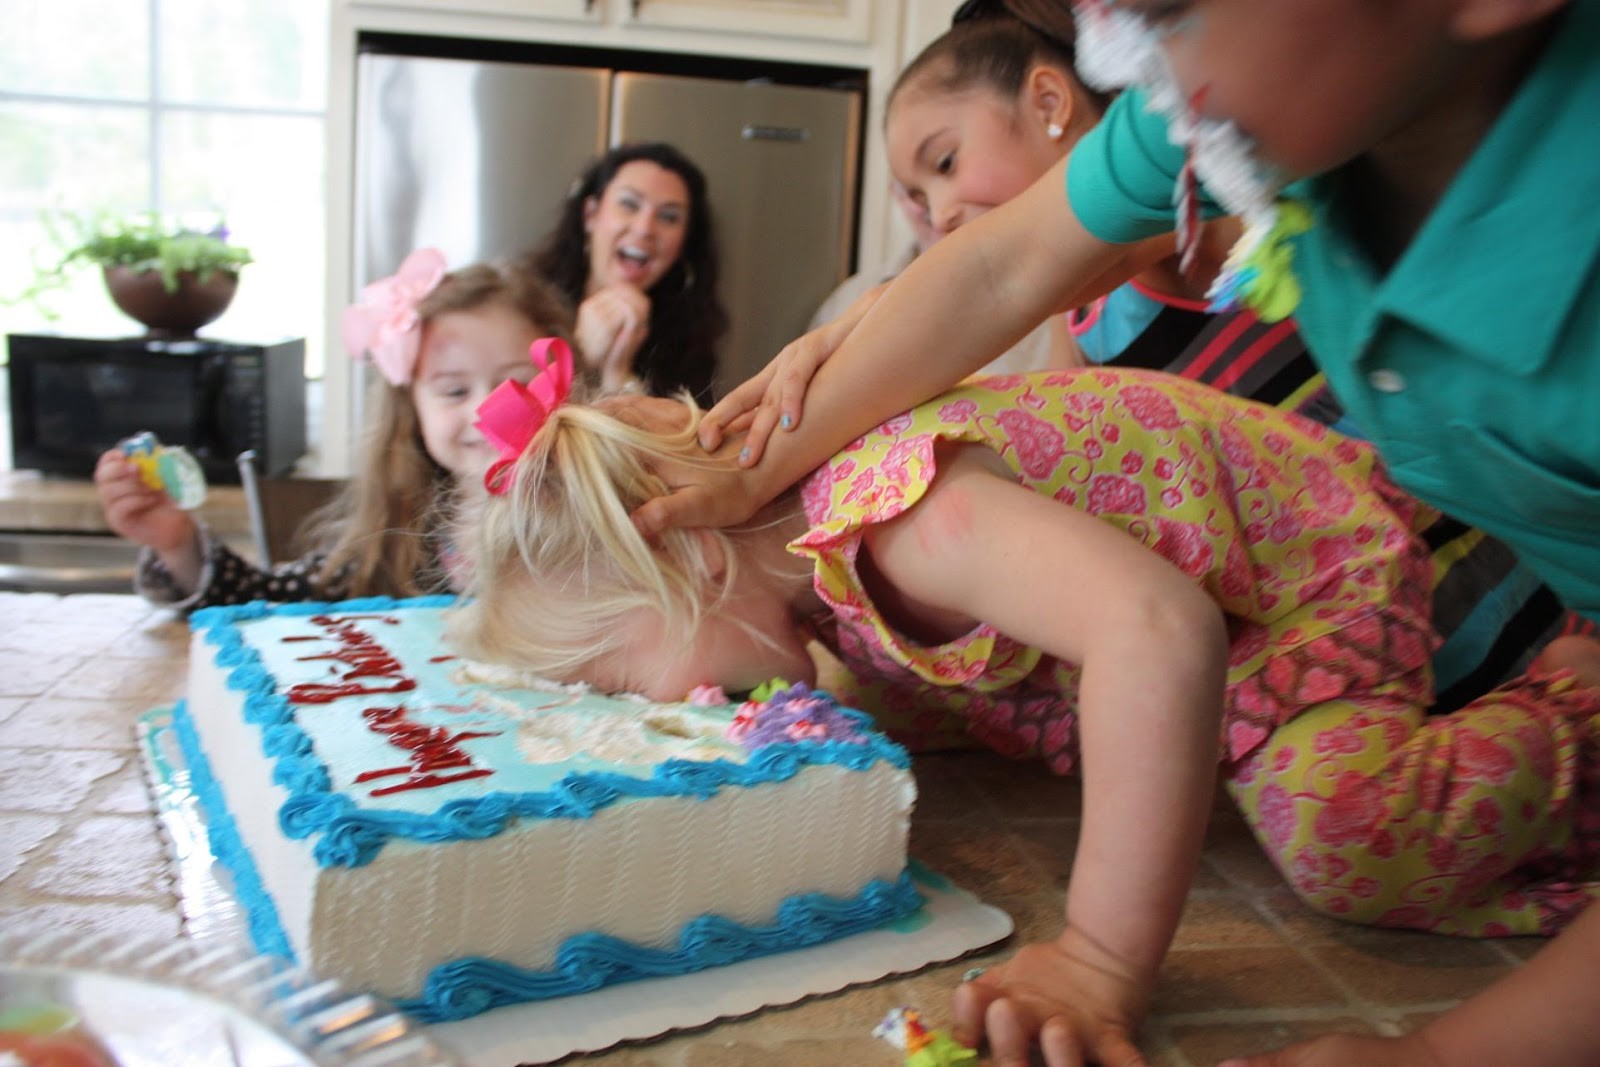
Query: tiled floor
(1250, 968)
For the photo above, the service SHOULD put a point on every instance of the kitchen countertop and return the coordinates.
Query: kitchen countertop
(1250, 968)
(31, 501)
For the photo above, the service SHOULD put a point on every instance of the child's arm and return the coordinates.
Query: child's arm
(1153, 650)
(148, 517)
(1546, 1012)
(956, 307)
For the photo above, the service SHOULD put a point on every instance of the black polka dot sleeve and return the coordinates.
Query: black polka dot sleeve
(228, 578)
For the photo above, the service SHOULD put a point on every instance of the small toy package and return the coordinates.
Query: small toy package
(168, 468)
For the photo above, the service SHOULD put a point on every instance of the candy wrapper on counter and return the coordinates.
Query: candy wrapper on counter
(903, 1029)
(168, 468)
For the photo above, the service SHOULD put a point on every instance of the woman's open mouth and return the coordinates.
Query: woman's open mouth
(634, 263)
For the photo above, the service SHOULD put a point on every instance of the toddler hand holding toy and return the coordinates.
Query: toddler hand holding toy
(168, 468)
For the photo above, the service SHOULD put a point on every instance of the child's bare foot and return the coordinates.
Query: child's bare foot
(1575, 652)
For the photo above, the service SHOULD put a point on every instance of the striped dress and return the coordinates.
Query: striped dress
(1493, 613)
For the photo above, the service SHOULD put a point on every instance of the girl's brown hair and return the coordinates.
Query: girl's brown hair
(994, 44)
(384, 529)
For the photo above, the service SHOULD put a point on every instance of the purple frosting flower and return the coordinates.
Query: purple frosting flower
(793, 714)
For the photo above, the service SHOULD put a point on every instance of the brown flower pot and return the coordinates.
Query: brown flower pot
(142, 296)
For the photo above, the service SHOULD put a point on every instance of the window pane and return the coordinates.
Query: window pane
(63, 158)
(77, 48)
(266, 175)
(56, 155)
(264, 172)
(80, 307)
(259, 53)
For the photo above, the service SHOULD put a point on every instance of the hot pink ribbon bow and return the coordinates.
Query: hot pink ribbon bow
(383, 321)
(513, 413)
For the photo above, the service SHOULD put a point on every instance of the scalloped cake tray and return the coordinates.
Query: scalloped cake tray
(950, 924)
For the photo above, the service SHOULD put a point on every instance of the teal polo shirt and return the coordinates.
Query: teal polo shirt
(1473, 364)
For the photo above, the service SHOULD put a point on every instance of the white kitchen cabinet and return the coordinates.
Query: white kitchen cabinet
(834, 20)
(824, 20)
(592, 11)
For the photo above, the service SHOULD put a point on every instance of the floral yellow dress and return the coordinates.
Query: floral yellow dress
(1480, 822)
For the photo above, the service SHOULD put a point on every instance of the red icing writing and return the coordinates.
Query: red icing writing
(364, 657)
(436, 755)
(434, 751)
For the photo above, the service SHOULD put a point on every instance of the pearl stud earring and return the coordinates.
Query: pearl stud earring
(1054, 131)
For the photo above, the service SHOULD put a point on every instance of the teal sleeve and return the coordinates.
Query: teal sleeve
(1122, 173)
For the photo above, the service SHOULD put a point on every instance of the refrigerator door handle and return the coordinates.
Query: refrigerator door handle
(753, 132)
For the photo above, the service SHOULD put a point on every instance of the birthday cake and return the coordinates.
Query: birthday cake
(410, 822)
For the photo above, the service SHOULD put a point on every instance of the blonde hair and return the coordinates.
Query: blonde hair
(383, 527)
(559, 564)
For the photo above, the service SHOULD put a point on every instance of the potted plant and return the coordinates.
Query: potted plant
(172, 278)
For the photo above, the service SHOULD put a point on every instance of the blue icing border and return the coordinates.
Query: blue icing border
(465, 987)
(266, 930)
(352, 836)
(586, 962)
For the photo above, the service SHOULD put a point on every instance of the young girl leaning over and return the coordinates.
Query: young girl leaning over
(1409, 171)
(442, 340)
(1115, 571)
(990, 106)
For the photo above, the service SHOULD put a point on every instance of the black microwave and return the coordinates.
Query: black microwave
(74, 397)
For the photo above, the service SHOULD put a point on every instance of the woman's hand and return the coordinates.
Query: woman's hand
(1069, 997)
(776, 396)
(612, 325)
(137, 512)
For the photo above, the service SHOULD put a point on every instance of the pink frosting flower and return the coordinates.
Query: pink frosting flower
(707, 696)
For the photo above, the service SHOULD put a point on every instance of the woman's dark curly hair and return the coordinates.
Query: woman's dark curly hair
(686, 317)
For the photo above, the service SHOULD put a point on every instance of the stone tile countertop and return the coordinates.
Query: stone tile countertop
(1250, 968)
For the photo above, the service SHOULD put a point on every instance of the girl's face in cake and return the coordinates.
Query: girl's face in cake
(464, 355)
(661, 666)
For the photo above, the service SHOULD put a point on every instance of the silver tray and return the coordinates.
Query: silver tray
(143, 1003)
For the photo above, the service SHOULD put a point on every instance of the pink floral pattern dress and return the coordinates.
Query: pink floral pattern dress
(1301, 539)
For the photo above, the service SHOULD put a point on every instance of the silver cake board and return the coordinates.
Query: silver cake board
(950, 924)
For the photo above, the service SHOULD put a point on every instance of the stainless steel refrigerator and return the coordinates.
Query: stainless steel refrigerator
(475, 156)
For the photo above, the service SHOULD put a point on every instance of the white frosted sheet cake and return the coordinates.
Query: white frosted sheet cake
(396, 818)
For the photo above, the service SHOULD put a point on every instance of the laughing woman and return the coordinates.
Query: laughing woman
(634, 252)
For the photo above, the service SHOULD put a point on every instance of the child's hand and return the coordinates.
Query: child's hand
(705, 491)
(713, 492)
(776, 395)
(1068, 997)
(137, 512)
(612, 325)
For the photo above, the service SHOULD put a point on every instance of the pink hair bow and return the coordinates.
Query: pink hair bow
(513, 413)
(383, 321)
